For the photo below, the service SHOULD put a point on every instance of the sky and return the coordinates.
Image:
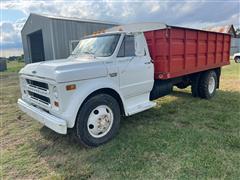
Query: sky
(189, 13)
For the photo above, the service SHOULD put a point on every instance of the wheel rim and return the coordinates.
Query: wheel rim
(211, 85)
(100, 121)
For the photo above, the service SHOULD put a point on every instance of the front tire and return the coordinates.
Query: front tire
(208, 85)
(98, 120)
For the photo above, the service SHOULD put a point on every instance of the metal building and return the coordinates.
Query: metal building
(47, 37)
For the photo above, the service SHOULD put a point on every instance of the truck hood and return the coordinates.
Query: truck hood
(65, 70)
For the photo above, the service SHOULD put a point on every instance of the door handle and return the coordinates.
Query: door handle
(112, 74)
(147, 62)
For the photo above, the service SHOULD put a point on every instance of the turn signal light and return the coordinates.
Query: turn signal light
(71, 87)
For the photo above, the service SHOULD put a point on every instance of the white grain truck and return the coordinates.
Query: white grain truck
(119, 73)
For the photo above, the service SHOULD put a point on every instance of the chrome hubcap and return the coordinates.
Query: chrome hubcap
(211, 85)
(100, 121)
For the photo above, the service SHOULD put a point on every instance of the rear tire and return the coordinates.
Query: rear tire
(182, 85)
(208, 84)
(195, 85)
(98, 120)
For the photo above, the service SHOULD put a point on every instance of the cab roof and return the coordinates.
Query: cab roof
(138, 27)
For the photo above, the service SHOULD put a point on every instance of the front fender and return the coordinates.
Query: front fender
(73, 100)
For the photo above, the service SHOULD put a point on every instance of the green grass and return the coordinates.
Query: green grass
(14, 66)
(181, 138)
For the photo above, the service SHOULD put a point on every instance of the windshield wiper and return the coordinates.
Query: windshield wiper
(90, 53)
(87, 52)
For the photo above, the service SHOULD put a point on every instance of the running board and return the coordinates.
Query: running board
(140, 107)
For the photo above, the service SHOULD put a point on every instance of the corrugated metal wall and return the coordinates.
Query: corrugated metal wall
(65, 31)
(33, 24)
(57, 34)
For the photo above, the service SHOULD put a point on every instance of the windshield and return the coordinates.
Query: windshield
(99, 46)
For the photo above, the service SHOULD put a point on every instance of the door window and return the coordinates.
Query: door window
(127, 48)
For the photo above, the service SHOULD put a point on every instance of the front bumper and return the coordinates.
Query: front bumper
(54, 123)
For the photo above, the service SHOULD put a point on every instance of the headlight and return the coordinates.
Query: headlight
(55, 92)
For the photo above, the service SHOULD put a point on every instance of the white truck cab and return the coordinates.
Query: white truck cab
(107, 75)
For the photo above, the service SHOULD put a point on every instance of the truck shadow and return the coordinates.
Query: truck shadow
(150, 132)
(50, 135)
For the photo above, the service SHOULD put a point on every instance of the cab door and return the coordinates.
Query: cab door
(136, 73)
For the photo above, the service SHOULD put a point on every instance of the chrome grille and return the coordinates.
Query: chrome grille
(38, 84)
(38, 93)
(39, 97)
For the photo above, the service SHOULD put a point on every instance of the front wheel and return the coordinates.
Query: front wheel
(208, 85)
(98, 120)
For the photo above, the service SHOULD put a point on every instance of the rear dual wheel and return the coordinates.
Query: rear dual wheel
(206, 85)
